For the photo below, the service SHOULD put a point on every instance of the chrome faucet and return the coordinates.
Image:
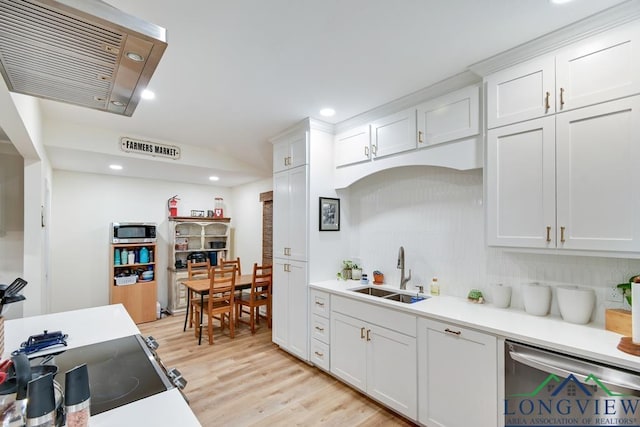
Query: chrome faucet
(403, 280)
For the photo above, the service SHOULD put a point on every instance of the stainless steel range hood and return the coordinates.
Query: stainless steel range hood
(82, 52)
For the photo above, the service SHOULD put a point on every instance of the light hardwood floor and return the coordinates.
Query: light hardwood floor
(249, 381)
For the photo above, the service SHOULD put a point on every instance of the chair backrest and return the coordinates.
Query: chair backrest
(198, 270)
(261, 282)
(222, 283)
(232, 262)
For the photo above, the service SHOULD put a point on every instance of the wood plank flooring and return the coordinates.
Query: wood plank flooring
(249, 381)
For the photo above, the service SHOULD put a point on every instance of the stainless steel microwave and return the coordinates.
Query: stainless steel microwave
(133, 232)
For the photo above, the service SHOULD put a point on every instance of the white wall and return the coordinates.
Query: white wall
(84, 205)
(247, 210)
(437, 214)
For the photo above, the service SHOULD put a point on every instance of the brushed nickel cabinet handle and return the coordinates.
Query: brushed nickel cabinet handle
(546, 101)
(321, 304)
(320, 329)
(319, 354)
(366, 151)
(420, 135)
(368, 332)
(561, 96)
(374, 149)
(449, 331)
(562, 234)
(548, 233)
(362, 333)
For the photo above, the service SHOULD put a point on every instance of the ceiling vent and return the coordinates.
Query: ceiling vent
(82, 52)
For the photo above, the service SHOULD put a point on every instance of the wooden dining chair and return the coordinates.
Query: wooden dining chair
(260, 296)
(232, 262)
(220, 304)
(196, 270)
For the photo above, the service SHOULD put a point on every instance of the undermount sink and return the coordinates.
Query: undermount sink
(390, 295)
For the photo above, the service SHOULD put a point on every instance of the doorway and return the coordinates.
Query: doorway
(267, 227)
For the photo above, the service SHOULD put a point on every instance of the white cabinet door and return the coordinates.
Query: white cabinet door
(521, 184)
(280, 303)
(353, 146)
(348, 350)
(458, 371)
(280, 156)
(291, 152)
(449, 117)
(394, 134)
(599, 69)
(391, 369)
(298, 310)
(290, 213)
(598, 153)
(523, 92)
(281, 210)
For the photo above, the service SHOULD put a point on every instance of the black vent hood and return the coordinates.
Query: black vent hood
(82, 52)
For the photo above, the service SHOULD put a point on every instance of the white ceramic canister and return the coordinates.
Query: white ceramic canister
(537, 298)
(501, 295)
(576, 304)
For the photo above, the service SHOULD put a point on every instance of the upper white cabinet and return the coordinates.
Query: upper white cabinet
(290, 213)
(458, 373)
(597, 69)
(567, 181)
(394, 133)
(449, 117)
(353, 146)
(290, 152)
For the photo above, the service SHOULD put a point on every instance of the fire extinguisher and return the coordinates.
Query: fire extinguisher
(172, 204)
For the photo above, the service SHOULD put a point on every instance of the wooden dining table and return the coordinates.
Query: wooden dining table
(201, 287)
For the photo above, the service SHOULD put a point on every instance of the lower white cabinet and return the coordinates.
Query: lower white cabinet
(290, 301)
(320, 331)
(458, 370)
(374, 359)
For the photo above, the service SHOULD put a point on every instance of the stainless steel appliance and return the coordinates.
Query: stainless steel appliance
(544, 387)
(121, 371)
(133, 232)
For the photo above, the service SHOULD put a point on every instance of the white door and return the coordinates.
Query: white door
(392, 370)
(280, 303)
(598, 152)
(522, 92)
(449, 117)
(353, 146)
(459, 376)
(521, 184)
(298, 310)
(394, 134)
(298, 214)
(348, 350)
(601, 68)
(281, 209)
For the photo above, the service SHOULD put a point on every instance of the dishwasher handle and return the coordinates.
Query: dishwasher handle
(565, 366)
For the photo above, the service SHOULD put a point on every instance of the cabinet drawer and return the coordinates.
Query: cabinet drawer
(320, 328)
(320, 303)
(320, 354)
(375, 314)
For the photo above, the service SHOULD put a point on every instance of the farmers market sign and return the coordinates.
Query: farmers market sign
(155, 149)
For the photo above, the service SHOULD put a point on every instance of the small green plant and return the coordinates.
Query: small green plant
(347, 267)
(625, 288)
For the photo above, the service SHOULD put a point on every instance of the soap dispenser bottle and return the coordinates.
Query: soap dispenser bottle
(435, 286)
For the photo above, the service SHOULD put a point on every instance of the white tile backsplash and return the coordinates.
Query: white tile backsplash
(437, 214)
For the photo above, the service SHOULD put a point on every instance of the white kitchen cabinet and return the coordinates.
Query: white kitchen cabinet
(353, 146)
(458, 370)
(449, 117)
(597, 69)
(290, 306)
(290, 213)
(521, 184)
(290, 152)
(320, 331)
(377, 360)
(394, 133)
(568, 181)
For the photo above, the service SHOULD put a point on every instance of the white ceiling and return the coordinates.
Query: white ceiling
(238, 72)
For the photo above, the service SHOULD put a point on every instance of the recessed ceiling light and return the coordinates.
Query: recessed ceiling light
(560, 1)
(115, 167)
(214, 178)
(118, 103)
(147, 94)
(327, 112)
(135, 56)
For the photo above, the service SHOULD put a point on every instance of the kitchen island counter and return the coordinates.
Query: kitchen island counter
(91, 326)
(589, 341)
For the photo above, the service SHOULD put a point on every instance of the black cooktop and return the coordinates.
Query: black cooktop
(121, 371)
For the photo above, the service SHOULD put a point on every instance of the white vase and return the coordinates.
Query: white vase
(537, 298)
(501, 295)
(576, 304)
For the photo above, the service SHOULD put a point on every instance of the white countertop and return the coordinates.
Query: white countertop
(90, 326)
(588, 341)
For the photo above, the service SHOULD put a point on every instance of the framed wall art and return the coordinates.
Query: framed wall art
(329, 214)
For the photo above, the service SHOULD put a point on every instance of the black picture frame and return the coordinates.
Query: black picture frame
(328, 214)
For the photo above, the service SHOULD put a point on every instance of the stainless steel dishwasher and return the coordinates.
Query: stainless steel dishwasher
(546, 388)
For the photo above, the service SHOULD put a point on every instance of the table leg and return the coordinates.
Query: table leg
(186, 316)
(201, 310)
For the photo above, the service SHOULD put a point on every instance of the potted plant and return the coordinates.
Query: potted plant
(356, 271)
(345, 272)
(626, 288)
